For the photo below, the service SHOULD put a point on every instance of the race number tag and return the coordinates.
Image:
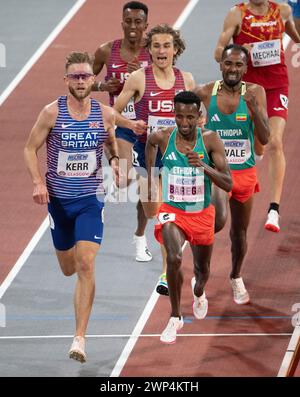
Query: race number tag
(129, 110)
(155, 122)
(164, 217)
(76, 165)
(186, 188)
(237, 151)
(265, 53)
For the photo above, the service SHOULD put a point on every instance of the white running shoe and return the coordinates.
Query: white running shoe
(170, 332)
(142, 253)
(272, 223)
(200, 305)
(240, 294)
(77, 349)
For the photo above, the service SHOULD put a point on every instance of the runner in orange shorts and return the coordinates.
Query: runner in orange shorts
(237, 111)
(191, 161)
(244, 184)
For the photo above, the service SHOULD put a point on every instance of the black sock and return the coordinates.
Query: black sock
(274, 206)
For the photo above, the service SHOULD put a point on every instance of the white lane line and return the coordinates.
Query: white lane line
(289, 357)
(33, 242)
(40, 51)
(24, 256)
(137, 336)
(137, 331)
(185, 14)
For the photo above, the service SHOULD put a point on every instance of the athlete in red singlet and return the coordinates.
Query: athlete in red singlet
(153, 89)
(121, 57)
(259, 26)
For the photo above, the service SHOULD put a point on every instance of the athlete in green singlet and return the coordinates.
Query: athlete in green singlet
(237, 111)
(191, 161)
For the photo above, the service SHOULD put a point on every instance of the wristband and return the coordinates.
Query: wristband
(113, 157)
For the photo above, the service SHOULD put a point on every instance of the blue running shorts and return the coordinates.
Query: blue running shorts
(295, 4)
(126, 134)
(139, 160)
(73, 220)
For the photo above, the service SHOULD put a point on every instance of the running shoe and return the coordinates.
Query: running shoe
(169, 333)
(272, 223)
(162, 285)
(142, 253)
(240, 294)
(77, 349)
(200, 305)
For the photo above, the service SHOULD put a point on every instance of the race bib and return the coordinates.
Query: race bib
(156, 122)
(237, 151)
(266, 53)
(164, 217)
(129, 110)
(76, 165)
(186, 188)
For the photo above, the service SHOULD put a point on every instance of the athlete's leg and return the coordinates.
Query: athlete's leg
(150, 207)
(141, 219)
(125, 154)
(201, 256)
(276, 158)
(142, 252)
(240, 218)
(62, 232)
(164, 259)
(219, 199)
(85, 254)
(259, 149)
(67, 262)
(173, 240)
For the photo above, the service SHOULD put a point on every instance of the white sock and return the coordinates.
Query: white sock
(139, 238)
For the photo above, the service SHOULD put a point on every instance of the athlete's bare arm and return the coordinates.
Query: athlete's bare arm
(45, 122)
(101, 58)
(220, 174)
(204, 93)
(110, 145)
(231, 27)
(109, 116)
(102, 55)
(255, 98)
(189, 81)
(290, 28)
(156, 139)
(134, 87)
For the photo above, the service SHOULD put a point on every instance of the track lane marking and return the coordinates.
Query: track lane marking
(137, 336)
(39, 52)
(24, 256)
